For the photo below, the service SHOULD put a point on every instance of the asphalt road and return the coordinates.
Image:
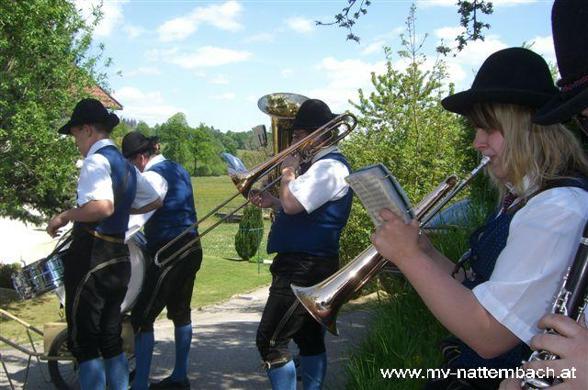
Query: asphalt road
(223, 353)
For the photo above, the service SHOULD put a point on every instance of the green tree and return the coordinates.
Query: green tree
(144, 128)
(205, 150)
(404, 126)
(173, 135)
(45, 67)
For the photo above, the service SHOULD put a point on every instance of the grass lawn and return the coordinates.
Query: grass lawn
(220, 276)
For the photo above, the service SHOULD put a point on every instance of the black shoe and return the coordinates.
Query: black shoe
(170, 384)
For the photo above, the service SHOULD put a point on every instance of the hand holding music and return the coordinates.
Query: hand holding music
(570, 344)
(395, 240)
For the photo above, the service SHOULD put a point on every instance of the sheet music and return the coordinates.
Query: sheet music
(377, 188)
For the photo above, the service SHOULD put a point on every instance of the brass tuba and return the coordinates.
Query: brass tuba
(282, 108)
(324, 299)
(328, 134)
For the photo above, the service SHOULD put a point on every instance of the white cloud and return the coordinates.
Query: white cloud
(146, 106)
(133, 31)
(451, 3)
(260, 38)
(143, 71)
(374, 47)
(222, 16)
(225, 96)
(448, 34)
(544, 46)
(466, 63)
(112, 14)
(300, 25)
(207, 56)
(160, 54)
(219, 79)
(344, 77)
(286, 72)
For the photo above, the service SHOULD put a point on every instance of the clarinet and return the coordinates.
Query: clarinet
(571, 301)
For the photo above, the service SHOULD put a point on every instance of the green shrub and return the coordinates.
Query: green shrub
(6, 270)
(250, 232)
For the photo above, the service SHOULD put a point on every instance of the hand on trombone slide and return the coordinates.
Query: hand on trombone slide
(263, 199)
(291, 162)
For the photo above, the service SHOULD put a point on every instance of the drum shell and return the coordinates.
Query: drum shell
(28, 283)
(39, 277)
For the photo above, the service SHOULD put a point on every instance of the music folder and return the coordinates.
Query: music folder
(377, 189)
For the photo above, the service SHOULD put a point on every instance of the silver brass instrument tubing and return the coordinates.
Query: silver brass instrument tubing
(324, 299)
(325, 136)
(571, 301)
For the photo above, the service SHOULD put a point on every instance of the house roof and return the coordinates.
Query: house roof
(105, 98)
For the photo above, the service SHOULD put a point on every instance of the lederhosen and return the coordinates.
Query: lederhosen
(308, 252)
(170, 286)
(486, 244)
(97, 271)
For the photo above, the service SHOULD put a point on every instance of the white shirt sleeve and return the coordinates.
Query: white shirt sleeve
(158, 187)
(94, 182)
(542, 241)
(146, 193)
(323, 182)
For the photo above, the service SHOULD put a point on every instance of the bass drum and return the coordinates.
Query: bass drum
(139, 261)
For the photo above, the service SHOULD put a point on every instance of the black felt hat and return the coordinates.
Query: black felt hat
(89, 111)
(312, 114)
(511, 76)
(569, 23)
(135, 142)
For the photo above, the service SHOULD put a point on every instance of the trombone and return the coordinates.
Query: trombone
(324, 299)
(327, 135)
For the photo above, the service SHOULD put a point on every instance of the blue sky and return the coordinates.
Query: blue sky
(212, 60)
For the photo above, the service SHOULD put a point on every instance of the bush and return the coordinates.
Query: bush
(6, 270)
(250, 232)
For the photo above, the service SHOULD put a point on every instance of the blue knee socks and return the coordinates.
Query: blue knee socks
(283, 378)
(92, 374)
(143, 351)
(117, 372)
(313, 369)
(183, 338)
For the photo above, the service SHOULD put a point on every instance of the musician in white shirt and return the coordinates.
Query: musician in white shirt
(96, 265)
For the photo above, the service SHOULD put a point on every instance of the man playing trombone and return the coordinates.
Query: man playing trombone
(312, 208)
(169, 286)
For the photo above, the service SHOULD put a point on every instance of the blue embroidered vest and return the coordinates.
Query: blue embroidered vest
(178, 211)
(124, 187)
(486, 243)
(316, 233)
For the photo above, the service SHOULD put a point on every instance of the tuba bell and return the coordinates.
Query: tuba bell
(282, 108)
(324, 299)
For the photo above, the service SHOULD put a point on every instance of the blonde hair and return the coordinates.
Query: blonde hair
(539, 153)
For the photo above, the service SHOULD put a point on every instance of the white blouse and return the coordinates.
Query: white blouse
(542, 242)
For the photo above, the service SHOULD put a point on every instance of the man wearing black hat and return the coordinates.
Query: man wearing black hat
(170, 286)
(313, 209)
(96, 266)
